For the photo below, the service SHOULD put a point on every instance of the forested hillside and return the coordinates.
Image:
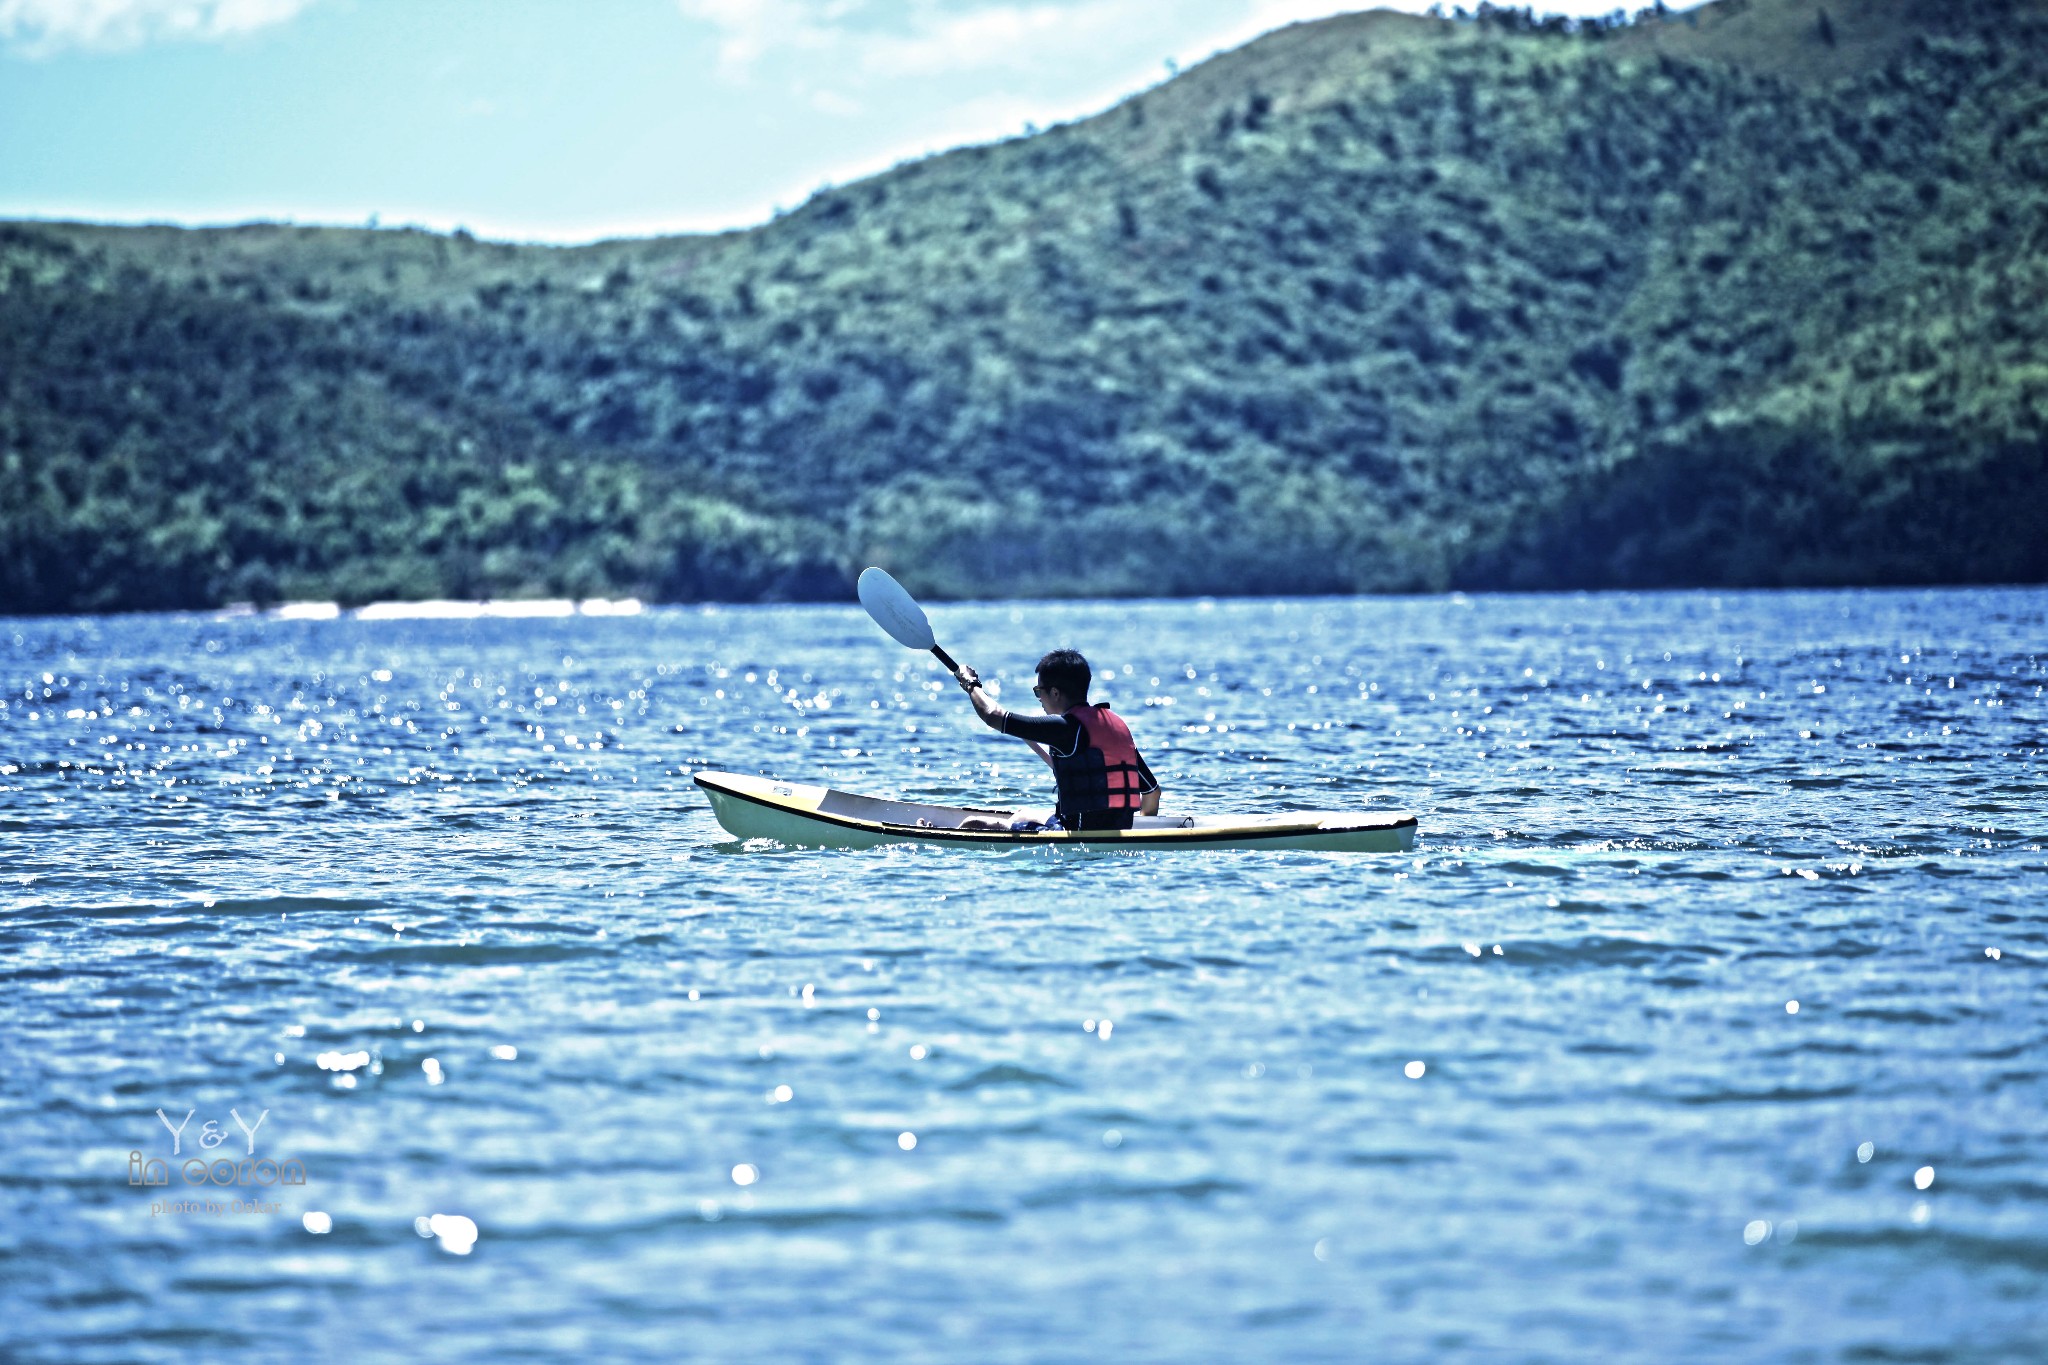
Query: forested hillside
(1755, 294)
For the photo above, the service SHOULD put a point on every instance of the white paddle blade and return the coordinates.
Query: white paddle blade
(894, 610)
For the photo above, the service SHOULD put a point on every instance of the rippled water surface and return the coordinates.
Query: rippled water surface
(1706, 1022)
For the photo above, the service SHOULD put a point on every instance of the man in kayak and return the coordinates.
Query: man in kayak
(1103, 780)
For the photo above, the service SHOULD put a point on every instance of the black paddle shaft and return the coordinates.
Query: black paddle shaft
(946, 659)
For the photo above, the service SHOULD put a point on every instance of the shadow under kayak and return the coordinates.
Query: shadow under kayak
(821, 817)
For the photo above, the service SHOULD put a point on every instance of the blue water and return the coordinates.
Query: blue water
(1036, 1107)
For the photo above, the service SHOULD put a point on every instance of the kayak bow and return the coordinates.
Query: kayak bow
(821, 817)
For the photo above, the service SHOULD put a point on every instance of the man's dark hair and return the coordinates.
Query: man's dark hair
(1068, 671)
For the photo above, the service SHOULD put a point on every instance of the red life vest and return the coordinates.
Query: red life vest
(1103, 772)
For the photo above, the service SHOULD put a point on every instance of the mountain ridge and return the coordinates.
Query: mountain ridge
(1376, 303)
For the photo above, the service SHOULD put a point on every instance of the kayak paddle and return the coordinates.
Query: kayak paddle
(897, 612)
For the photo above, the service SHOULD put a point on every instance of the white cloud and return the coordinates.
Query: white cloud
(1000, 35)
(41, 27)
(749, 29)
(877, 40)
(835, 104)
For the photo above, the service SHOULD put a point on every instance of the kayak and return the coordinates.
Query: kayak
(821, 817)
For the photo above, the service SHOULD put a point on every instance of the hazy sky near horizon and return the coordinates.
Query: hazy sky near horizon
(545, 120)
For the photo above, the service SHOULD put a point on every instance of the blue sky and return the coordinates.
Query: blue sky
(550, 120)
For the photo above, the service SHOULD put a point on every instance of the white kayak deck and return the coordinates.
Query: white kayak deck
(807, 815)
